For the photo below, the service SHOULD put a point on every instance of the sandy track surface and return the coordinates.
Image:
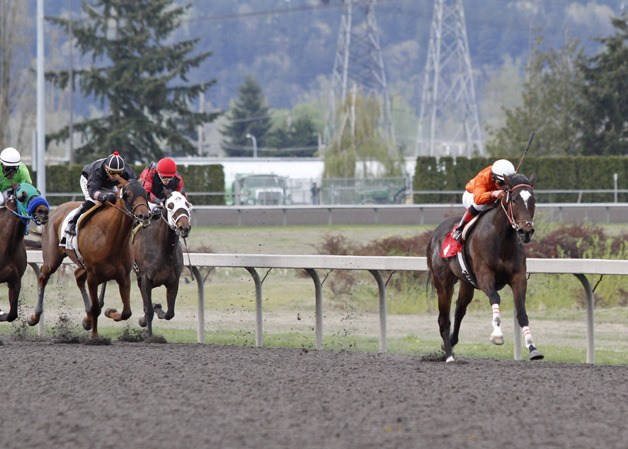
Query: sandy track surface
(139, 395)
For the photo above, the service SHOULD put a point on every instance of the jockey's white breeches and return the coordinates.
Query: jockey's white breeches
(467, 202)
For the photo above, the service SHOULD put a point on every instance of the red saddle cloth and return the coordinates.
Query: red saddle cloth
(450, 246)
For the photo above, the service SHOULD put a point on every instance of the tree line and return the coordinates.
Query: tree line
(139, 78)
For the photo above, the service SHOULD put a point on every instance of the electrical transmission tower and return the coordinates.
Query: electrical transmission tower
(449, 122)
(358, 64)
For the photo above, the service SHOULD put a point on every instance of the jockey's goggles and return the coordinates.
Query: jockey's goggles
(166, 179)
(112, 172)
(500, 182)
(9, 169)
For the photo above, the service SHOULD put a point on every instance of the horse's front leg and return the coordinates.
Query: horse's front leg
(519, 288)
(171, 297)
(146, 320)
(124, 285)
(465, 295)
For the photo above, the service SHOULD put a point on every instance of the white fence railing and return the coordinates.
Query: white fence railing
(374, 265)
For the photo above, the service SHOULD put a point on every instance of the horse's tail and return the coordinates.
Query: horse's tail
(428, 283)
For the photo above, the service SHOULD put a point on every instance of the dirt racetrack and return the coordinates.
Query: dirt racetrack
(140, 395)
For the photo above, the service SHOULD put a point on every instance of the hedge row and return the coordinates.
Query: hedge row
(198, 178)
(553, 173)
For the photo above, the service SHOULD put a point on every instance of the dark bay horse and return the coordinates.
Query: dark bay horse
(105, 250)
(159, 258)
(14, 221)
(495, 256)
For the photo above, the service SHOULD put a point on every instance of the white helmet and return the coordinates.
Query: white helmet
(502, 168)
(10, 157)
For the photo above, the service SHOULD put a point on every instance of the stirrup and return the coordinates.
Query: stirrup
(457, 235)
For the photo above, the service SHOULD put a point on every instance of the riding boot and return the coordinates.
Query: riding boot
(80, 211)
(466, 218)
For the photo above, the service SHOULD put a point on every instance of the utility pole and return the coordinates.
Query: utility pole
(359, 61)
(448, 95)
(41, 113)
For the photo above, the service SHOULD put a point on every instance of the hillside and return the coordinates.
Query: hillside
(289, 46)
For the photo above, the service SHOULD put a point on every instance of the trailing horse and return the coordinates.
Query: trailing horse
(493, 256)
(15, 217)
(159, 258)
(104, 251)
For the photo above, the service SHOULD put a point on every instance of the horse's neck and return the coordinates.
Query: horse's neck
(500, 224)
(116, 223)
(12, 230)
(166, 235)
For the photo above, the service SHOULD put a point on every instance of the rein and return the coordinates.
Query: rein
(508, 210)
(129, 212)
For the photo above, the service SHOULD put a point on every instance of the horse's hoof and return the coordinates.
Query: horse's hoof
(142, 321)
(33, 320)
(535, 354)
(497, 340)
(449, 359)
(109, 312)
(87, 325)
(4, 316)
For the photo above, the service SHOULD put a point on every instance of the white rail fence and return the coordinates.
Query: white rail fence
(374, 265)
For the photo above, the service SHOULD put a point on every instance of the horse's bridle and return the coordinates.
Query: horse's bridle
(127, 210)
(508, 209)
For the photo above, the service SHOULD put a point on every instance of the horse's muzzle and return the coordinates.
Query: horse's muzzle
(184, 231)
(144, 220)
(526, 232)
(40, 218)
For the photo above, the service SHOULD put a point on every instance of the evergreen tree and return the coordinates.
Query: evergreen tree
(295, 137)
(139, 77)
(250, 115)
(604, 116)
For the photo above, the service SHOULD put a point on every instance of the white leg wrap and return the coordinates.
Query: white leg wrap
(527, 336)
(497, 337)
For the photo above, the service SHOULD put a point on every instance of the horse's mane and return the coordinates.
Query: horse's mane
(517, 178)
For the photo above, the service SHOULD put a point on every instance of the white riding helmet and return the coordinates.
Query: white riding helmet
(10, 157)
(502, 168)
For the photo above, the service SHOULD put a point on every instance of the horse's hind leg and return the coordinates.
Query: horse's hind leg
(94, 310)
(80, 274)
(465, 295)
(445, 292)
(14, 294)
(46, 270)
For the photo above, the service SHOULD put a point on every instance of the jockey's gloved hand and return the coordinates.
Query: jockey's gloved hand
(103, 197)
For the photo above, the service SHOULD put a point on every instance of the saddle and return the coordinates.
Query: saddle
(450, 246)
(69, 241)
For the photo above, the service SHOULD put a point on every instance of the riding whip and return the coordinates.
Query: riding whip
(532, 134)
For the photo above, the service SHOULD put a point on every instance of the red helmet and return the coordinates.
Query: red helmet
(167, 168)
